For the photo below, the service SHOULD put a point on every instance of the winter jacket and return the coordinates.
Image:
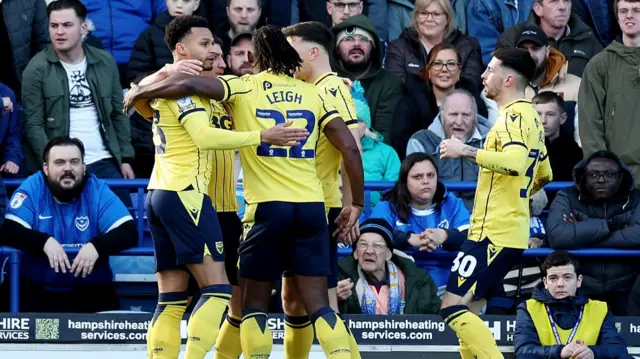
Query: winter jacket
(120, 22)
(406, 55)
(383, 90)
(559, 81)
(613, 223)
(565, 312)
(380, 163)
(27, 24)
(150, 52)
(418, 109)
(389, 17)
(420, 291)
(598, 15)
(10, 131)
(428, 141)
(449, 214)
(564, 154)
(608, 117)
(578, 46)
(487, 19)
(45, 96)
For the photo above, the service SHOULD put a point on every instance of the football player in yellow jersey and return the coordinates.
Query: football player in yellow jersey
(513, 165)
(182, 220)
(285, 221)
(313, 40)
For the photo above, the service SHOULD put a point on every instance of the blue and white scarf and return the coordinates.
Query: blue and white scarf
(368, 298)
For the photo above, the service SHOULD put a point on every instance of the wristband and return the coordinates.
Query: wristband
(361, 206)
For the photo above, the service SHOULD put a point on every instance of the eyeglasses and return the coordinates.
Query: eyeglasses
(450, 65)
(352, 38)
(606, 175)
(436, 15)
(378, 247)
(341, 6)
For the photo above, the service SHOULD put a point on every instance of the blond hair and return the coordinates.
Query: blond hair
(445, 5)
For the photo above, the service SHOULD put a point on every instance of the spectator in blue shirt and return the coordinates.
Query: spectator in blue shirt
(423, 214)
(63, 207)
(11, 154)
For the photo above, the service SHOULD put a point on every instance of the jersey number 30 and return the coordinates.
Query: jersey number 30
(265, 149)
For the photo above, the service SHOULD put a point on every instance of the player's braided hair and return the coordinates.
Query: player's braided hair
(274, 53)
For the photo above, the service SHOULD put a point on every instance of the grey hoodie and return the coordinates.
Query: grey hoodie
(428, 141)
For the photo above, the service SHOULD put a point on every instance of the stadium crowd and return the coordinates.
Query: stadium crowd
(416, 69)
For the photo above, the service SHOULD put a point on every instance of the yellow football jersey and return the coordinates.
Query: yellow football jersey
(501, 206)
(275, 173)
(328, 158)
(179, 163)
(222, 186)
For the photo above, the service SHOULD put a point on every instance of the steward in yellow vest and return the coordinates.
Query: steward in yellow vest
(560, 322)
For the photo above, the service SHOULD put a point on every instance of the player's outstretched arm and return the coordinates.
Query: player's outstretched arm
(341, 138)
(544, 174)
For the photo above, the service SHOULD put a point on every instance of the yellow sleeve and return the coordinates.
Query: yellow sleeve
(346, 107)
(326, 113)
(191, 113)
(544, 174)
(236, 87)
(512, 133)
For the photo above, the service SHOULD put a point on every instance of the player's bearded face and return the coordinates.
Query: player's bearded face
(492, 79)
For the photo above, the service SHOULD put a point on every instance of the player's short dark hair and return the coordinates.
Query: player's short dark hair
(217, 41)
(77, 6)
(546, 97)
(312, 31)
(180, 27)
(259, 2)
(559, 259)
(518, 61)
(399, 195)
(62, 141)
(274, 53)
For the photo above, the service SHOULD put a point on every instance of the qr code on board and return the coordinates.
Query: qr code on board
(47, 329)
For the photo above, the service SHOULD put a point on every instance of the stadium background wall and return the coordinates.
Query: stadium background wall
(70, 336)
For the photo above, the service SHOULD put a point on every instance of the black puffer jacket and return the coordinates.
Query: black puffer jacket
(28, 27)
(406, 55)
(150, 53)
(614, 223)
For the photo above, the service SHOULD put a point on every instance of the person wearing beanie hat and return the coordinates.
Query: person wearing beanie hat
(378, 281)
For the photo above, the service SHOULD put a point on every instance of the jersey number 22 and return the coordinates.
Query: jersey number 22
(265, 149)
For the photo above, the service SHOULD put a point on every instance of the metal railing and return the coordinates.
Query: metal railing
(140, 186)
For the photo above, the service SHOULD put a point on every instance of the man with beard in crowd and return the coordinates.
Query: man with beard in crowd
(238, 57)
(63, 207)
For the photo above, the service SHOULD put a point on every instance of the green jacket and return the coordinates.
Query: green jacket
(45, 96)
(383, 89)
(421, 293)
(608, 112)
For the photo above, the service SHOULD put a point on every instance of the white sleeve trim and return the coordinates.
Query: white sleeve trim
(119, 222)
(464, 227)
(18, 219)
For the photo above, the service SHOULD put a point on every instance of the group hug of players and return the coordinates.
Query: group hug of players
(292, 121)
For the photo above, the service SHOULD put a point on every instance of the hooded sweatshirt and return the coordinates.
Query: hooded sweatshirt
(383, 89)
(611, 223)
(609, 116)
(558, 80)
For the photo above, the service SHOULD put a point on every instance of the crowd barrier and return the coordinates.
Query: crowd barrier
(140, 185)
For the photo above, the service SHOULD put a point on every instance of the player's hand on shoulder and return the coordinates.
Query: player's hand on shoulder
(130, 98)
(451, 148)
(85, 260)
(284, 135)
(347, 82)
(58, 259)
(344, 289)
(188, 67)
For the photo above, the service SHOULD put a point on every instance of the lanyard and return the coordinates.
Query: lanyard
(554, 328)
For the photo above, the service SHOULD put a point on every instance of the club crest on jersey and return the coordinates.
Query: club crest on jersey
(17, 200)
(185, 104)
(82, 223)
(219, 247)
(267, 85)
(444, 224)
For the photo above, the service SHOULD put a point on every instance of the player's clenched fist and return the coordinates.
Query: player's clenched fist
(451, 148)
(344, 289)
(284, 135)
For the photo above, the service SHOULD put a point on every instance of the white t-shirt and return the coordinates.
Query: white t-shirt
(84, 122)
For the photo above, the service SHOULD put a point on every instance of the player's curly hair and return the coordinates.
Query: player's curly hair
(180, 27)
(274, 53)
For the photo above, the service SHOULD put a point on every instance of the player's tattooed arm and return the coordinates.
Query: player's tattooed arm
(469, 153)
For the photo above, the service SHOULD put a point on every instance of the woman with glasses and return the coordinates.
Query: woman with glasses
(426, 91)
(433, 23)
(424, 215)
